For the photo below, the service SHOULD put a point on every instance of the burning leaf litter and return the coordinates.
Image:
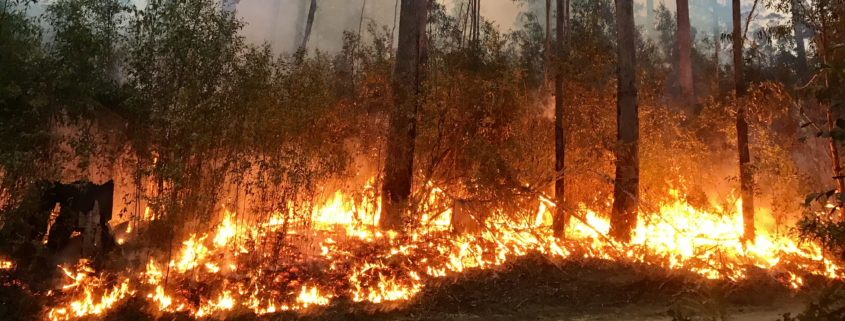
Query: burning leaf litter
(244, 266)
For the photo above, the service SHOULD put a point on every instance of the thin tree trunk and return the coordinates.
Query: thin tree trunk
(560, 218)
(800, 50)
(746, 177)
(309, 24)
(834, 149)
(357, 50)
(685, 57)
(466, 20)
(716, 43)
(623, 218)
(361, 22)
(477, 21)
(393, 30)
(834, 156)
(548, 40)
(398, 168)
(301, 16)
(474, 28)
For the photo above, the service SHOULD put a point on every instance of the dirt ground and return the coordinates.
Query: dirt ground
(534, 288)
(632, 313)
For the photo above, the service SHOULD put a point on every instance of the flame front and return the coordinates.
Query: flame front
(238, 265)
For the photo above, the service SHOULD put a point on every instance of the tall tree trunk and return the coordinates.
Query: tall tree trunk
(548, 40)
(465, 21)
(823, 52)
(475, 25)
(685, 57)
(623, 218)
(716, 43)
(398, 168)
(393, 29)
(309, 24)
(746, 177)
(477, 21)
(301, 16)
(560, 217)
(357, 50)
(834, 156)
(800, 50)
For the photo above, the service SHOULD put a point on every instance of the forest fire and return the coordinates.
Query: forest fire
(227, 268)
(419, 159)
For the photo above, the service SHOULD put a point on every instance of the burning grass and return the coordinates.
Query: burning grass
(259, 269)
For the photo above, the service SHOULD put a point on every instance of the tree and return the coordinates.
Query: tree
(799, 29)
(623, 217)
(300, 20)
(746, 178)
(685, 57)
(548, 38)
(309, 23)
(398, 168)
(559, 221)
(716, 41)
(475, 20)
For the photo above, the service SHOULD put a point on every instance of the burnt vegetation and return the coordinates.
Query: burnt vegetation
(597, 155)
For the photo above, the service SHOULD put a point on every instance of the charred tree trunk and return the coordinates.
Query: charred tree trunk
(746, 177)
(548, 40)
(476, 8)
(623, 218)
(685, 57)
(800, 50)
(398, 168)
(560, 217)
(308, 24)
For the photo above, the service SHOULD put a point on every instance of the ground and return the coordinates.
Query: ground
(534, 288)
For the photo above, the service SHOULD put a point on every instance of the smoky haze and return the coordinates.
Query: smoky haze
(281, 23)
